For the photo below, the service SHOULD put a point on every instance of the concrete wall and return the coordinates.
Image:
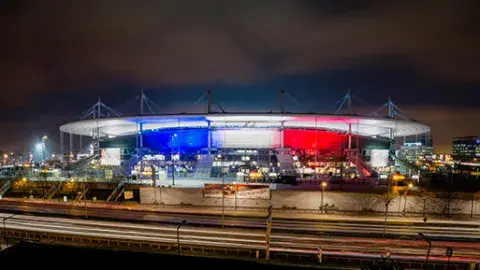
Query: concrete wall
(192, 197)
(312, 200)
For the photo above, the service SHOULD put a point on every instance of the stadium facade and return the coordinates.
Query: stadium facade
(251, 147)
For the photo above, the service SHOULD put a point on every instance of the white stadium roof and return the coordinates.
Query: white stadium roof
(362, 125)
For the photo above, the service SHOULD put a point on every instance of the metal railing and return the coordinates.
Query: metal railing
(249, 251)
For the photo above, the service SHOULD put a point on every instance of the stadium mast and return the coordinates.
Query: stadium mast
(96, 111)
(392, 110)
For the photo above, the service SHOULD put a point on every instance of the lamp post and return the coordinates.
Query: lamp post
(386, 207)
(5, 228)
(85, 199)
(173, 160)
(410, 185)
(43, 147)
(429, 248)
(235, 188)
(178, 235)
(324, 185)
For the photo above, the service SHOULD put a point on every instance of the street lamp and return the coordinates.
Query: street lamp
(410, 185)
(41, 147)
(324, 185)
(173, 157)
(5, 158)
(429, 247)
(178, 235)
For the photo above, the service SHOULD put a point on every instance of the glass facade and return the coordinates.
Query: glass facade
(242, 154)
(466, 148)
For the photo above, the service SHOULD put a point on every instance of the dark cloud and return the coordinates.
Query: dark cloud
(92, 46)
(53, 45)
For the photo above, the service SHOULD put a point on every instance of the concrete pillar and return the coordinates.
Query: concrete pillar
(140, 135)
(282, 136)
(209, 137)
(350, 138)
(61, 144)
(71, 143)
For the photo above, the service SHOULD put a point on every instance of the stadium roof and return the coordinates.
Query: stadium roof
(362, 125)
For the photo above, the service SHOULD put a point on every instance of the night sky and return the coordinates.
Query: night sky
(58, 57)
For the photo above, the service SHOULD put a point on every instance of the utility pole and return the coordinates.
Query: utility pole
(85, 199)
(178, 236)
(209, 99)
(269, 230)
(324, 185)
(223, 195)
(428, 250)
(386, 207)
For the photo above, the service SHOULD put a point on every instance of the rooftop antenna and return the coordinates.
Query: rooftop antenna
(393, 110)
(349, 102)
(209, 99)
(282, 101)
(141, 101)
(95, 111)
(347, 98)
(145, 100)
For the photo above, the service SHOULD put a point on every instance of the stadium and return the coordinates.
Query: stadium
(246, 147)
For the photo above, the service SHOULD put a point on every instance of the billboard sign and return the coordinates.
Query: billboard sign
(239, 191)
(110, 157)
(379, 158)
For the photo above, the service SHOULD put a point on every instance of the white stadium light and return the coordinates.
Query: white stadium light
(39, 146)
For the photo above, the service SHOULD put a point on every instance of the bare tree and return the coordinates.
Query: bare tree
(475, 199)
(448, 203)
(423, 198)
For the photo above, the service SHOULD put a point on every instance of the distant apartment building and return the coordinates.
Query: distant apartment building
(412, 152)
(466, 148)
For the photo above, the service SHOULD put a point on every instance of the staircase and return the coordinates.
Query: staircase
(5, 187)
(130, 163)
(51, 192)
(287, 165)
(82, 164)
(119, 193)
(82, 194)
(203, 170)
(404, 166)
(363, 168)
(118, 189)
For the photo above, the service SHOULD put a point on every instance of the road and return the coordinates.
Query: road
(356, 227)
(253, 239)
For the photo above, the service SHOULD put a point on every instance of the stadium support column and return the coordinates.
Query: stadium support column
(61, 144)
(140, 128)
(140, 139)
(71, 144)
(81, 143)
(282, 122)
(98, 144)
(209, 143)
(282, 134)
(392, 142)
(350, 139)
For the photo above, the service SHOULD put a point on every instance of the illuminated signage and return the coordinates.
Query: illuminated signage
(379, 158)
(413, 144)
(110, 157)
